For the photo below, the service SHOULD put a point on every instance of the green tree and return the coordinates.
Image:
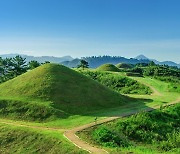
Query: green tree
(152, 63)
(83, 64)
(18, 66)
(33, 64)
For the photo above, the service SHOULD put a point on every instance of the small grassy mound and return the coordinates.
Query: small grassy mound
(65, 89)
(108, 67)
(123, 66)
(118, 83)
(158, 130)
(25, 140)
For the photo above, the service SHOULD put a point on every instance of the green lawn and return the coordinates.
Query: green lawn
(23, 140)
(76, 119)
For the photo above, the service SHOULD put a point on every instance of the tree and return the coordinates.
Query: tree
(33, 64)
(152, 63)
(47, 62)
(83, 64)
(18, 66)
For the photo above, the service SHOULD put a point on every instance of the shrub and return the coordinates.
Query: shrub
(106, 137)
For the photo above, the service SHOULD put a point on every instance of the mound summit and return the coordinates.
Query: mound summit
(108, 67)
(124, 65)
(67, 89)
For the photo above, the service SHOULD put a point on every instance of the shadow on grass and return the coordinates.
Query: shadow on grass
(23, 110)
(129, 104)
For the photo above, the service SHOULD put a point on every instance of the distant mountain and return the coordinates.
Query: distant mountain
(95, 62)
(141, 57)
(169, 63)
(40, 59)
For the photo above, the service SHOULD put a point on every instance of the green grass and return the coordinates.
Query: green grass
(42, 109)
(158, 131)
(18, 140)
(108, 67)
(124, 66)
(72, 120)
(117, 82)
(61, 90)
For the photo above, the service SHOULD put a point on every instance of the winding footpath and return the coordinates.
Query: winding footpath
(71, 134)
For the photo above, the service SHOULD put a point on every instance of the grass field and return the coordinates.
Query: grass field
(153, 132)
(14, 139)
(55, 117)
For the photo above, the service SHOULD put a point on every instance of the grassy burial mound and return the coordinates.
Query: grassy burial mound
(56, 89)
(108, 67)
(123, 66)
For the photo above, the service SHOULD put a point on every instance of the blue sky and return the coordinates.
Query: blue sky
(91, 27)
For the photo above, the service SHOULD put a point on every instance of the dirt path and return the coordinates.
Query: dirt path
(154, 91)
(71, 134)
(29, 126)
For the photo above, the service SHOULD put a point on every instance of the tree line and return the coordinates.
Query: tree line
(12, 67)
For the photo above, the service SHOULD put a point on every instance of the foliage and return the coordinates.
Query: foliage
(33, 64)
(158, 70)
(118, 83)
(13, 67)
(109, 138)
(159, 128)
(83, 64)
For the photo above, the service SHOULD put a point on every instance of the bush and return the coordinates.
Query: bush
(134, 74)
(118, 83)
(160, 128)
(109, 138)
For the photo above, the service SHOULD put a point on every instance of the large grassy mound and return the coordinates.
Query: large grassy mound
(108, 67)
(58, 87)
(123, 65)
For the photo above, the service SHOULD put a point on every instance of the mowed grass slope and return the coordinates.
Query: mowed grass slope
(108, 67)
(60, 88)
(22, 140)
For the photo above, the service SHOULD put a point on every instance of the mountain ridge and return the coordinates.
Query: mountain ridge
(93, 61)
(40, 59)
(170, 63)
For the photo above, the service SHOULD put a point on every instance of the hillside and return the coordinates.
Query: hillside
(23, 140)
(61, 88)
(145, 132)
(117, 82)
(108, 67)
(124, 66)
